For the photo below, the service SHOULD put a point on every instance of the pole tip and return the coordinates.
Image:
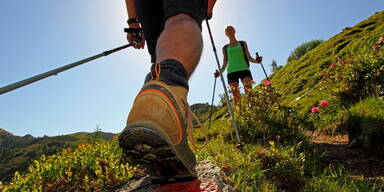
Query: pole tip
(239, 145)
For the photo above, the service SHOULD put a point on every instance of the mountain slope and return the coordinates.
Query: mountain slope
(4, 132)
(302, 77)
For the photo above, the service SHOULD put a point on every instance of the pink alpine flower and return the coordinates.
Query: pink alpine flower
(341, 76)
(315, 109)
(333, 65)
(267, 83)
(341, 61)
(324, 103)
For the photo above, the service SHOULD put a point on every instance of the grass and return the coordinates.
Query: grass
(273, 166)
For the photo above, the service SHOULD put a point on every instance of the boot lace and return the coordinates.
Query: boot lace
(190, 117)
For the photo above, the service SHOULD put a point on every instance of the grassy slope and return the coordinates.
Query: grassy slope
(303, 75)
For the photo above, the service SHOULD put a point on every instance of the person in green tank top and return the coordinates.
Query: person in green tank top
(237, 58)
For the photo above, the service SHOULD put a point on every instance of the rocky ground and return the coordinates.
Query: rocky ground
(210, 178)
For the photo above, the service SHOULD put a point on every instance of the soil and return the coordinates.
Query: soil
(358, 163)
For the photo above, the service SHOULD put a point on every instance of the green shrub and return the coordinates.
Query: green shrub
(88, 168)
(366, 122)
(261, 115)
(303, 49)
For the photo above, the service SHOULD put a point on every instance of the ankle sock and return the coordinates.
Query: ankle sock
(172, 72)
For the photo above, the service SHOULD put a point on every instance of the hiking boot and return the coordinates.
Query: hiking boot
(155, 135)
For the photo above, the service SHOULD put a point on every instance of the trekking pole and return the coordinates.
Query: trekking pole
(213, 98)
(234, 124)
(33, 79)
(261, 63)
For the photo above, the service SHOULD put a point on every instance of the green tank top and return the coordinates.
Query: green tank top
(236, 59)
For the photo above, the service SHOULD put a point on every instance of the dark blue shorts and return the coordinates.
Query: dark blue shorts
(152, 15)
(235, 76)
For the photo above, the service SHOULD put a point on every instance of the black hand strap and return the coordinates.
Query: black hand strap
(136, 32)
(132, 20)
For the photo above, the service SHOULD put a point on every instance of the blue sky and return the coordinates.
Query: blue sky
(37, 36)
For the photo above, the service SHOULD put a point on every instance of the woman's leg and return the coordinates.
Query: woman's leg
(235, 91)
(247, 82)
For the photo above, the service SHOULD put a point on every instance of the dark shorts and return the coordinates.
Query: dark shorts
(235, 76)
(152, 15)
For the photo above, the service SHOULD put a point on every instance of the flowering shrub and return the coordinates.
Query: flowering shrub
(348, 80)
(324, 103)
(315, 109)
(326, 116)
(357, 78)
(267, 83)
(261, 115)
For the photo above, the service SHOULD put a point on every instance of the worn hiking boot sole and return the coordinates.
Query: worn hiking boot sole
(150, 148)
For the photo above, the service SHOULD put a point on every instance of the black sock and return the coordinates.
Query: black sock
(172, 72)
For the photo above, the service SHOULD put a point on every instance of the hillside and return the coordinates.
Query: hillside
(304, 77)
(16, 153)
(202, 110)
(346, 73)
(4, 132)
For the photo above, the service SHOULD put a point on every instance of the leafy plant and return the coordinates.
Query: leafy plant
(97, 167)
(365, 124)
(303, 49)
(261, 115)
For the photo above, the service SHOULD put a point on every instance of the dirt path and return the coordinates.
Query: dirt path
(357, 162)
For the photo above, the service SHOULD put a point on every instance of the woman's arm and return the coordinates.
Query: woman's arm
(249, 57)
(224, 59)
(217, 73)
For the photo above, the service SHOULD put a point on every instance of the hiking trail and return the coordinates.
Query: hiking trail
(358, 163)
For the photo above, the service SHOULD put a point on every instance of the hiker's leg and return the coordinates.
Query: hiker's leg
(233, 81)
(155, 135)
(247, 82)
(180, 40)
(235, 91)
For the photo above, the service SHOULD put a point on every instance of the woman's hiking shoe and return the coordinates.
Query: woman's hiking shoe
(155, 135)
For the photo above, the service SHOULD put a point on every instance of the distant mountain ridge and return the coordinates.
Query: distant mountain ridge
(17, 152)
(202, 110)
(4, 132)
